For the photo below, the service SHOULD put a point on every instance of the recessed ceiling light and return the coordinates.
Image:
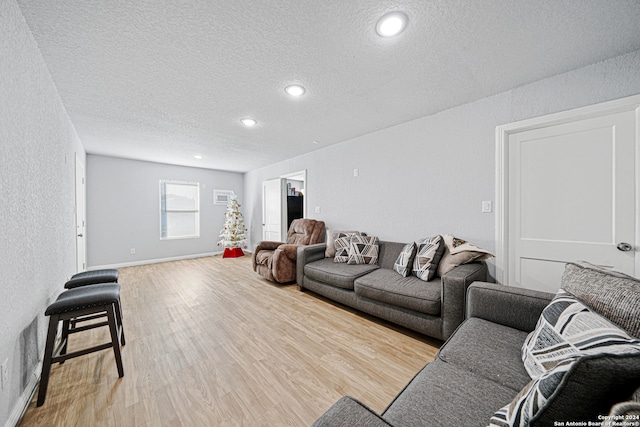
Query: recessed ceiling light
(295, 90)
(248, 122)
(391, 24)
(197, 156)
(315, 142)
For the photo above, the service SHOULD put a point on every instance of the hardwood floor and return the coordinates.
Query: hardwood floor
(211, 343)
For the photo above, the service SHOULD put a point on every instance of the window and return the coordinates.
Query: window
(179, 209)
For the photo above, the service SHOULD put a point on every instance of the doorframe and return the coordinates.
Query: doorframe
(302, 173)
(630, 103)
(283, 203)
(82, 203)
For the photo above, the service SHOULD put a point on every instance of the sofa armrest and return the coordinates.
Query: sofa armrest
(454, 291)
(517, 308)
(348, 412)
(307, 254)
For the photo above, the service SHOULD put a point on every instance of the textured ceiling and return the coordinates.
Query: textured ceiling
(163, 80)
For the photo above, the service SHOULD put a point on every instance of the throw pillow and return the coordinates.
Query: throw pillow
(531, 399)
(427, 257)
(614, 295)
(403, 263)
(363, 250)
(578, 389)
(567, 328)
(458, 252)
(342, 247)
(331, 237)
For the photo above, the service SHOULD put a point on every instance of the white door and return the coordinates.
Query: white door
(273, 205)
(571, 197)
(80, 218)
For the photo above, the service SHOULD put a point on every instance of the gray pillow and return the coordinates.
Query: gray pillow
(614, 295)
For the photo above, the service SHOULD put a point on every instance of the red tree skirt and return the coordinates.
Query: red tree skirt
(232, 253)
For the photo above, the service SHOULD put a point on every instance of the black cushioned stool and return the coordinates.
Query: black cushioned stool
(83, 303)
(108, 275)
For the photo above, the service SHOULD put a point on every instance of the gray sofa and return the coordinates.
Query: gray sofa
(480, 368)
(434, 308)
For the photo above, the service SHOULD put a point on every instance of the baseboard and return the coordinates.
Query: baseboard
(23, 401)
(152, 261)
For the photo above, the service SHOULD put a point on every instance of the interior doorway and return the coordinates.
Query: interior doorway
(283, 200)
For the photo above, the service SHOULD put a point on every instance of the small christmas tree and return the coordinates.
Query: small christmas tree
(234, 233)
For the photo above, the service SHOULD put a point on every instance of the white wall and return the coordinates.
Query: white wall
(430, 175)
(37, 230)
(123, 210)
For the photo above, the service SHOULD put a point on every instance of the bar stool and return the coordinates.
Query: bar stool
(82, 304)
(107, 275)
(93, 277)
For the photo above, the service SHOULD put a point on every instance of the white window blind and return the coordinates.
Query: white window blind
(179, 209)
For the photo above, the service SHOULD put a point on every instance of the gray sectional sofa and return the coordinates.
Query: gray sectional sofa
(480, 368)
(434, 308)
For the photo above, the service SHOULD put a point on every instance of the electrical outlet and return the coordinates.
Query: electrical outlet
(133, 251)
(4, 373)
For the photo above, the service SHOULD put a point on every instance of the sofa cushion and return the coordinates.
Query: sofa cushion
(336, 274)
(363, 250)
(458, 252)
(442, 394)
(428, 254)
(579, 389)
(567, 328)
(614, 295)
(404, 262)
(496, 351)
(386, 286)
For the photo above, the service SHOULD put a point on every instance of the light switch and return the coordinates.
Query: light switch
(317, 209)
(356, 172)
(486, 206)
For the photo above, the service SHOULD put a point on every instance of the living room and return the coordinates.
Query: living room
(426, 173)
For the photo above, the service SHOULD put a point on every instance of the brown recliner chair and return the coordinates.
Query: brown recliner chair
(276, 261)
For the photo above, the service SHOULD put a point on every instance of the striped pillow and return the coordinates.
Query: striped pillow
(425, 263)
(567, 328)
(403, 263)
(578, 389)
(363, 250)
(342, 248)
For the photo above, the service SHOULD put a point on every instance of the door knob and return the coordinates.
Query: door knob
(80, 235)
(624, 247)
